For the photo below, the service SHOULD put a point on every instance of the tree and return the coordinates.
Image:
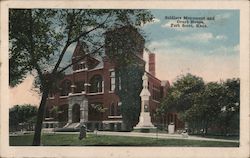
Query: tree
(183, 98)
(208, 106)
(39, 39)
(21, 114)
(183, 93)
(229, 114)
(127, 57)
(204, 106)
(129, 93)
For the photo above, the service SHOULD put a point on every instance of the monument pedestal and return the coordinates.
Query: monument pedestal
(145, 121)
(144, 124)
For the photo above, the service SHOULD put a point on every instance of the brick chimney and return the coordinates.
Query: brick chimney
(151, 63)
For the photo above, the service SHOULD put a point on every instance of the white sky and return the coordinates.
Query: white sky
(23, 93)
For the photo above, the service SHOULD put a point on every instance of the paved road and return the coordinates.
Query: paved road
(148, 135)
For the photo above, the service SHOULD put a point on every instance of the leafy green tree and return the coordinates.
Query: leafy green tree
(126, 55)
(204, 106)
(183, 98)
(229, 114)
(21, 114)
(187, 88)
(208, 106)
(183, 93)
(40, 38)
(129, 93)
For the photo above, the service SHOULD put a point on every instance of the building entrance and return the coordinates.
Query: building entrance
(76, 113)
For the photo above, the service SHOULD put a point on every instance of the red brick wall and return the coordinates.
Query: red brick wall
(154, 83)
(151, 63)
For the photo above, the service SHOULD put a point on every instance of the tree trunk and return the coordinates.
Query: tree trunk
(40, 116)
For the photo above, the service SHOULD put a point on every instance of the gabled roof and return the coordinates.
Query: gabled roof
(100, 59)
(94, 61)
(81, 49)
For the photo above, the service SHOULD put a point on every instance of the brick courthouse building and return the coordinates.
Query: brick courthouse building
(87, 94)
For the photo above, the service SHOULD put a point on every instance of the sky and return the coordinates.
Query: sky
(211, 52)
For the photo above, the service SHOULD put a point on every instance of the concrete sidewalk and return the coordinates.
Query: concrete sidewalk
(162, 136)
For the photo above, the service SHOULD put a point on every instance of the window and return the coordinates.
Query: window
(120, 83)
(115, 109)
(82, 65)
(79, 87)
(96, 84)
(119, 112)
(65, 87)
(156, 93)
(112, 80)
(112, 110)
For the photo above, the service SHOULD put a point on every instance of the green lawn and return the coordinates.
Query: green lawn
(93, 140)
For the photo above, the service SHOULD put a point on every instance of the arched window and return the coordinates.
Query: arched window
(96, 84)
(65, 87)
(112, 109)
(119, 111)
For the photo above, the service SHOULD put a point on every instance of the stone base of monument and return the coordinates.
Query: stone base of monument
(144, 124)
(145, 130)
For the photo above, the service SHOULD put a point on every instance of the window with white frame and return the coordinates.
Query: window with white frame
(120, 82)
(112, 80)
(119, 112)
